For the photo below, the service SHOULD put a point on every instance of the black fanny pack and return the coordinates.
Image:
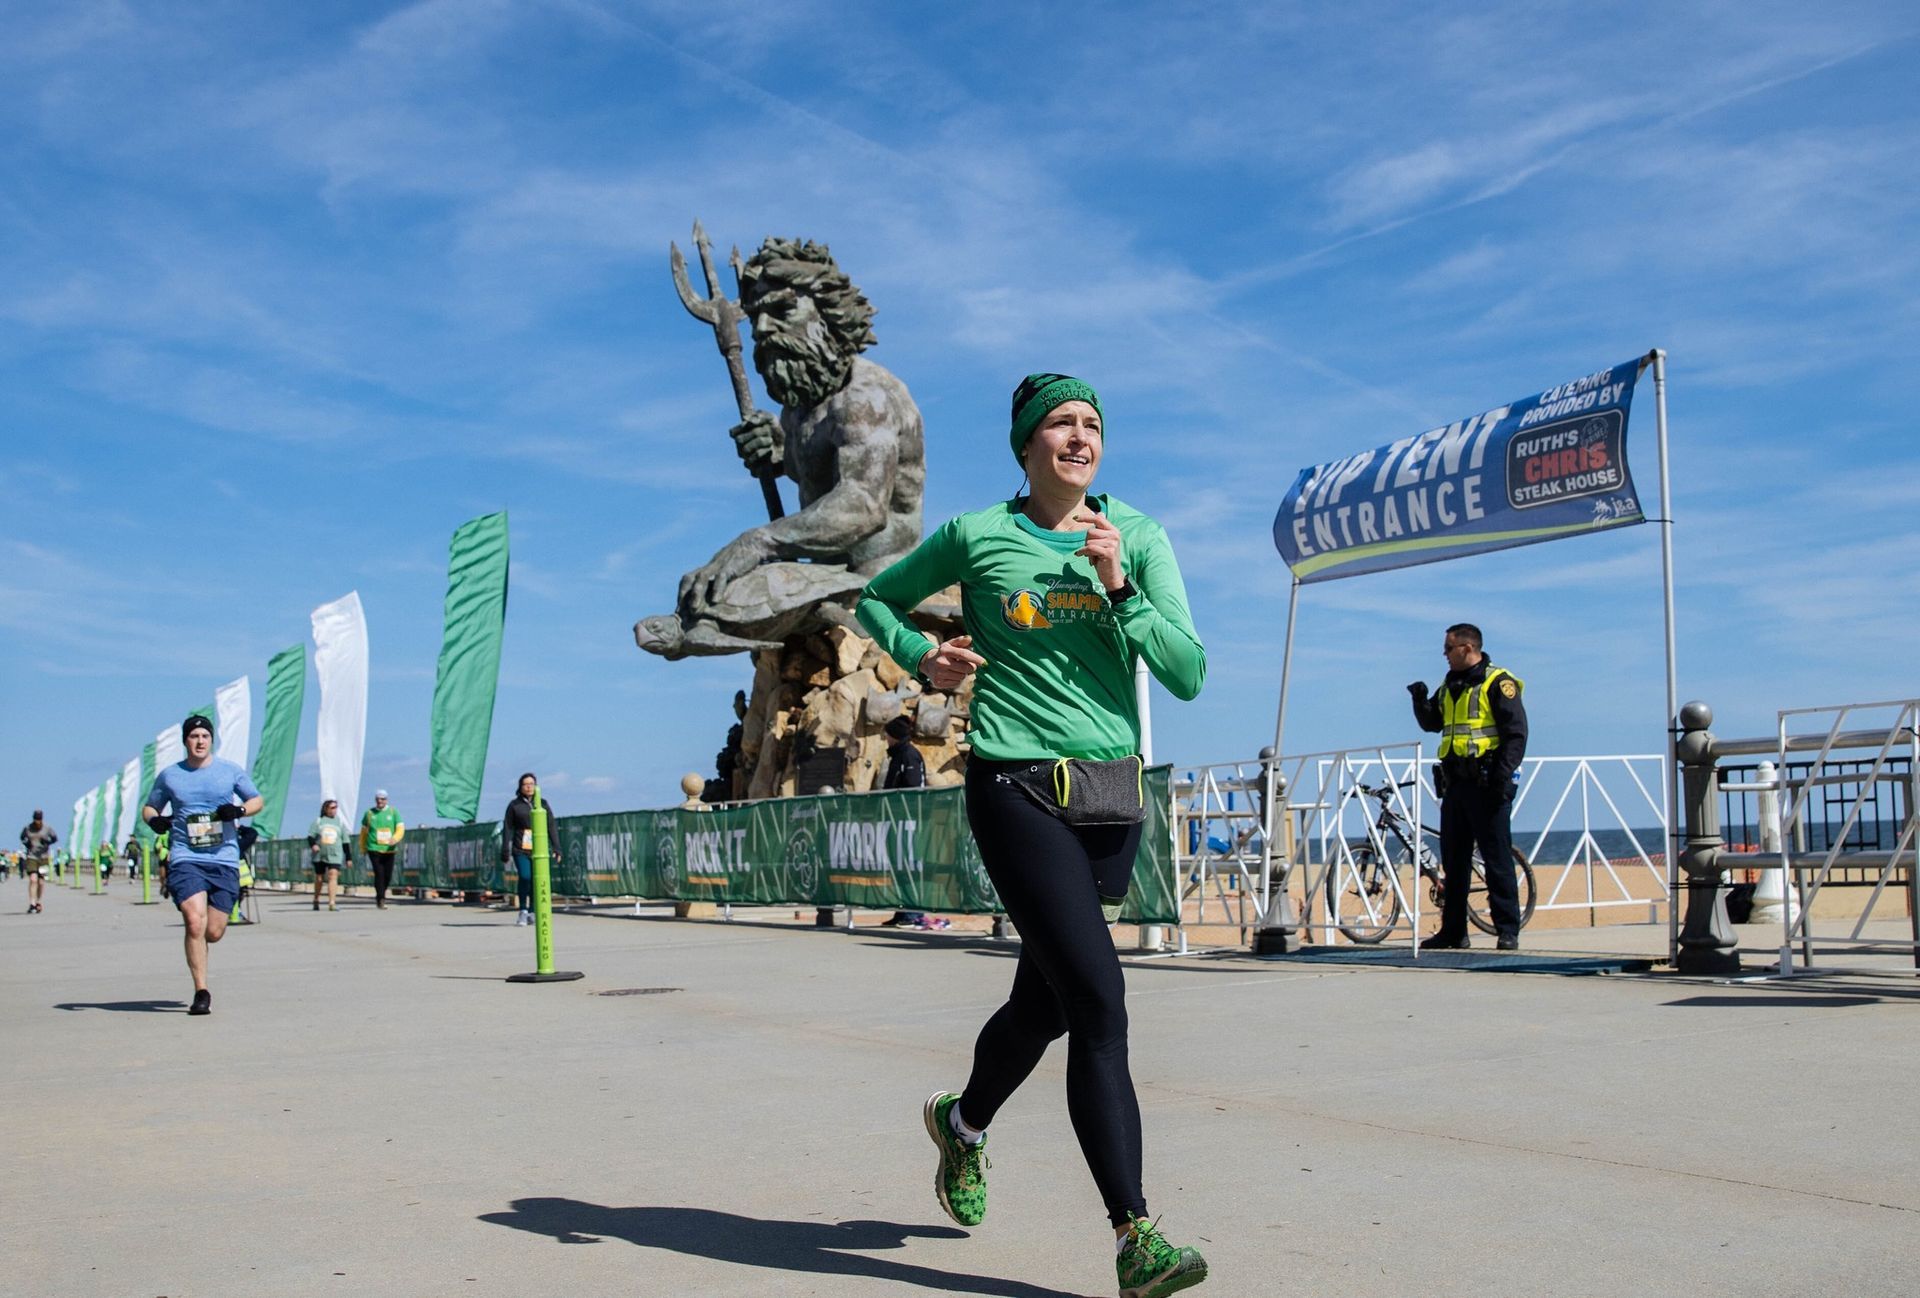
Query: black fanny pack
(1078, 791)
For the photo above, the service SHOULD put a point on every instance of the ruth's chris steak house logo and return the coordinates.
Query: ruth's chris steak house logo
(1567, 460)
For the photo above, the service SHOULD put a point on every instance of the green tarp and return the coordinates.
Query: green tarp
(273, 764)
(908, 849)
(469, 670)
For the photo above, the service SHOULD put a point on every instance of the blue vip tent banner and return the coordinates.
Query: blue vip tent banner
(1538, 469)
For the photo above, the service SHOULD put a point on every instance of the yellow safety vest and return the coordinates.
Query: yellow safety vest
(1466, 718)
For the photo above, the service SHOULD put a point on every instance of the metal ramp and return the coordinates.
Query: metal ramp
(1512, 962)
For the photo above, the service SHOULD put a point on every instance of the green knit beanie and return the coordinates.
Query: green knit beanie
(1039, 393)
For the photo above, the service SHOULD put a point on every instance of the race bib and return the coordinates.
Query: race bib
(203, 830)
(329, 835)
(384, 837)
(526, 840)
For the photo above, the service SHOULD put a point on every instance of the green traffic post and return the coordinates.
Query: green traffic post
(99, 884)
(146, 874)
(543, 971)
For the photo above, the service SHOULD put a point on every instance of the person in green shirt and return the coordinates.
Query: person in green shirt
(103, 858)
(1062, 592)
(330, 848)
(381, 830)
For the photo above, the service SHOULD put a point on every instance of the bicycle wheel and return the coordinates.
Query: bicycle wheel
(1362, 899)
(1477, 908)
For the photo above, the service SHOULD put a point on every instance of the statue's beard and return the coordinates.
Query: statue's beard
(800, 372)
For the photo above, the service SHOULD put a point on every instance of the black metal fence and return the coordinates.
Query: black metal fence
(1882, 814)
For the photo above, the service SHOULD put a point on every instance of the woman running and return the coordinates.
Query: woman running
(1061, 593)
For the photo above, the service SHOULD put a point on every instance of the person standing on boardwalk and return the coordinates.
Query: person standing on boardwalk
(516, 841)
(327, 844)
(1062, 592)
(36, 844)
(192, 805)
(381, 830)
(1482, 725)
(906, 769)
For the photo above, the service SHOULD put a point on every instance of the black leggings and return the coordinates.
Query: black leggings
(382, 863)
(1050, 878)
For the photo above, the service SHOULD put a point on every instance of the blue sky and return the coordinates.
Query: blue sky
(289, 292)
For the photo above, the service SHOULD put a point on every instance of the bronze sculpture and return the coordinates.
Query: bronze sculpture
(848, 434)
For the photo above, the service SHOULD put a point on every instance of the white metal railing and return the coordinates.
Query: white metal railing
(1881, 731)
(1340, 814)
(1603, 795)
(1567, 806)
(1219, 836)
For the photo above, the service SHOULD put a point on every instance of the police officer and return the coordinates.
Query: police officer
(1482, 726)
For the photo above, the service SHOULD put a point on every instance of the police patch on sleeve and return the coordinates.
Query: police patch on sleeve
(1508, 688)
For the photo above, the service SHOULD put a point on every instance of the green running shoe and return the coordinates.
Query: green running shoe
(1149, 1267)
(960, 1182)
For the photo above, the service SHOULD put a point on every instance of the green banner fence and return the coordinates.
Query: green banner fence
(906, 849)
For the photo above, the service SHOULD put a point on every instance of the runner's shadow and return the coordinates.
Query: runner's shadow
(126, 1007)
(815, 1247)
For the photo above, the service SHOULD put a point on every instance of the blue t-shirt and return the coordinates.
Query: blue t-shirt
(193, 795)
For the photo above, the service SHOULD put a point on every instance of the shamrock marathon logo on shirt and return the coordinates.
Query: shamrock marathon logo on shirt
(1069, 598)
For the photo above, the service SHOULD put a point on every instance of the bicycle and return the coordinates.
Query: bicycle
(1367, 903)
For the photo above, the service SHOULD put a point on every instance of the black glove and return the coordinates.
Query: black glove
(1419, 691)
(160, 824)
(229, 811)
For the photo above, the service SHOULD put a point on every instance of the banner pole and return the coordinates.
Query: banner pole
(1673, 687)
(1279, 931)
(543, 971)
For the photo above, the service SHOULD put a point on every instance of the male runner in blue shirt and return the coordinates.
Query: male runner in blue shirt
(193, 804)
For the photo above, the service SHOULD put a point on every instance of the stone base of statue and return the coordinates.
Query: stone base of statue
(816, 715)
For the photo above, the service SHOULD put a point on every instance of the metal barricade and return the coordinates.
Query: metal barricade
(1218, 843)
(1870, 754)
(1598, 795)
(1322, 814)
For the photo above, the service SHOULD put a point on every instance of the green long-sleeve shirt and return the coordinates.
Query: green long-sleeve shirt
(1058, 680)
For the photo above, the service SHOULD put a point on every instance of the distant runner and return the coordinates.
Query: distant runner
(192, 805)
(327, 845)
(103, 857)
(381, 830)
(516, 841)
(36, 844)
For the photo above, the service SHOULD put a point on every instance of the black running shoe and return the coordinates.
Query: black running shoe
(202, 1002)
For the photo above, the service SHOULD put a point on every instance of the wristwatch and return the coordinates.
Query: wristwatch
(1121, 593)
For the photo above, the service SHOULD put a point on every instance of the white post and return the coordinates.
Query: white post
(1671, 725)
(1278, 924)
(1151, 938)
(1143, 704)
(1770, 894)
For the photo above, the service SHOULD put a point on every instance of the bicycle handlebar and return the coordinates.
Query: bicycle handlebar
(1383, 792)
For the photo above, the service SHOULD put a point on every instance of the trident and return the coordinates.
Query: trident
(725, 315)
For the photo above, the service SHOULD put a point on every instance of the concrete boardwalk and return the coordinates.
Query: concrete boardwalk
(371, 1111)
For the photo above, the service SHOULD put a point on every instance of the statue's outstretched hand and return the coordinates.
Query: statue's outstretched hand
(947, 664)
(703, 587)
(759, 441)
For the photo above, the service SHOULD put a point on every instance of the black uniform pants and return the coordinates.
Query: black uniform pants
(1068, 981)
(1473, 815)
